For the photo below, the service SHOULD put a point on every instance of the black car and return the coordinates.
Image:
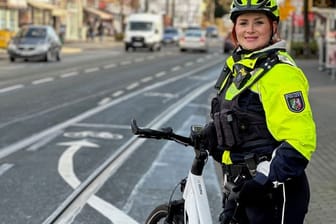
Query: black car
(35, 42)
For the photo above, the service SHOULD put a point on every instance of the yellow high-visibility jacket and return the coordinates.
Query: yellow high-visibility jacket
(283, 92)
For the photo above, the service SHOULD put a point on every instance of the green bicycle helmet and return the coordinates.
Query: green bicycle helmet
(270, 7)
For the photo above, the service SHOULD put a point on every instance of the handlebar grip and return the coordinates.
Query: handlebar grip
(134, 126)
(229, 186)
(165, 133)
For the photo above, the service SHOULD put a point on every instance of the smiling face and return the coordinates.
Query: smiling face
(254, 30)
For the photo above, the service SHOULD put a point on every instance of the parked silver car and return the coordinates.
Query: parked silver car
(194, 40)
(35, 42)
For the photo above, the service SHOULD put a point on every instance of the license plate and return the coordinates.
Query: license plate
(25, 53)
(137, 44)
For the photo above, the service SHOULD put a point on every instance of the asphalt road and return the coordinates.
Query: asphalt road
(60, 122)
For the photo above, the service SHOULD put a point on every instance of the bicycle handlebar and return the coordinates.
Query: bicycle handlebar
(164, 133)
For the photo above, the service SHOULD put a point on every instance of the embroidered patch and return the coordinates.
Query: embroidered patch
(295, 101)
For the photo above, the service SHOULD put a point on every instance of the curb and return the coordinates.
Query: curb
(70, 50)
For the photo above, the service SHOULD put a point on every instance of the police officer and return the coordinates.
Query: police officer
(262, 129)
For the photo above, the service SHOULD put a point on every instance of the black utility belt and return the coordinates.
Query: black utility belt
(248, 167)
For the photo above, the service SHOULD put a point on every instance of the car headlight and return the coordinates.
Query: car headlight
(11, 46)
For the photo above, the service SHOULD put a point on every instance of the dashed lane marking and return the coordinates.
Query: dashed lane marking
(113, 126)
(69, 74)
(125, 62)
(160, 74)
(147, 79)
(5, 167)
(11, 88)
(104, 101)
(118, 93)
(109, 66)
(40, 81)
(132, 86)
(176, 68)
(89, 70)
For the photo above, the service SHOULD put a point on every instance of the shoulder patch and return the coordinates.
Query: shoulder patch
(295, 101)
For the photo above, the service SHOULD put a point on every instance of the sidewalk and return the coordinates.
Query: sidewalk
(71, 47)
(75, 47)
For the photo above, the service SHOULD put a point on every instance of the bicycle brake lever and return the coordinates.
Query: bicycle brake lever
(135, 128)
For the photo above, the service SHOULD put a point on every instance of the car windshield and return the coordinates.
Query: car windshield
(170, 31)
(211, 28)
(32, 33)
(144, 26)
(193, 33)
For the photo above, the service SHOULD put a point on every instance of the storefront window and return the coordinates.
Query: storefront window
(13, 20)
(2, 19)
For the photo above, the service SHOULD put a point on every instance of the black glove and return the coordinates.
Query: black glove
(209, 137)
(252, 193)
(228, 213)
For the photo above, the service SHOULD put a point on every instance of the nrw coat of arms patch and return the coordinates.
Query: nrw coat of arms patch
(295, 101)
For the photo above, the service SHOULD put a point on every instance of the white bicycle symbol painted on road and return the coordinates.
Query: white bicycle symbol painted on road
(92, 134)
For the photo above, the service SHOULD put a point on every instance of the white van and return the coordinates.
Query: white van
(144, 30)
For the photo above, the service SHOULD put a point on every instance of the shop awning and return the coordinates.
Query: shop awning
(55, 11)
(13, 4)
(325, 12)
(101, 14)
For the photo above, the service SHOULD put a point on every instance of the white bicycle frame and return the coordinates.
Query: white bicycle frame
(196, 203)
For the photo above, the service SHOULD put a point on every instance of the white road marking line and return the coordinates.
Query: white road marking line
(89, 70)
(200, 60)
(199, 78)
(189, 63)
(125, 62)
(40, 81)
(132, 86)
(5, 167)
(176, 68)
(104, 101)
(118, 93)
(147, 79)
(110, 66)
(66, 75)
(43, 141)
(102, 125)
(160, 74)
(11, 88)
(164, 95)
(66, 170)
(139, 59)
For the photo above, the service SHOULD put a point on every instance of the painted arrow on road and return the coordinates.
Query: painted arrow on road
(66, 170)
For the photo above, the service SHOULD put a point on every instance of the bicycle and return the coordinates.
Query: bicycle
(193, 207)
